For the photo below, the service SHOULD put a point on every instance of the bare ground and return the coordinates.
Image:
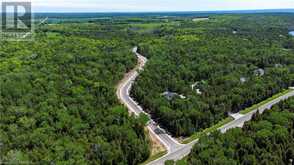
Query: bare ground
(156, 147)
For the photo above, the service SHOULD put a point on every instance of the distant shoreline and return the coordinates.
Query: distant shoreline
(92, 15)
(290, 10)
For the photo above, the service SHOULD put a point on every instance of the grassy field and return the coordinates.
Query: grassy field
(145, 27)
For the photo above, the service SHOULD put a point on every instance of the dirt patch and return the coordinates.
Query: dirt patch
(155, 145)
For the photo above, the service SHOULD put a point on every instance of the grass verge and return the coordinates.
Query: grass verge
(229, 119)
(213, 128)
(207, 130)
(254, 107)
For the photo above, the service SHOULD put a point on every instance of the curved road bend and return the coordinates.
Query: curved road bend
(176, 151)
(123, 92)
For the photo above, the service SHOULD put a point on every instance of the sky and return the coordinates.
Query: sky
(156, 5)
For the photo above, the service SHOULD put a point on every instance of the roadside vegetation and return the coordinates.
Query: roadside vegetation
(267, 139)
(215, 127)
(255, 106)
(57, 93)
(207, 131)
(199, 72)
(58, 102)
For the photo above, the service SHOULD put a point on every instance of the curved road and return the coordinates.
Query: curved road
(123, 92)
(176, 151)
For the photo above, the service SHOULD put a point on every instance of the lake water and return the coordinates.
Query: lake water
(291, 33)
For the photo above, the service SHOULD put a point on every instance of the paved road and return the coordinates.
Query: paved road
(123, 92)
(176, 151)
(178, 154)
(240, 121)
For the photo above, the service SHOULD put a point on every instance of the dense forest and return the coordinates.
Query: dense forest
(199, 71)
(268, 139)
(58, 102)
(57, 93)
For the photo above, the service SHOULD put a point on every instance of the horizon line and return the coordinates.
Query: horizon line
(174, 11)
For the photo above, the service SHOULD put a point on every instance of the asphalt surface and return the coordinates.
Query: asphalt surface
(186, 149)
(247, 117)
(176, 151)
(123, 92)
(178, 154)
